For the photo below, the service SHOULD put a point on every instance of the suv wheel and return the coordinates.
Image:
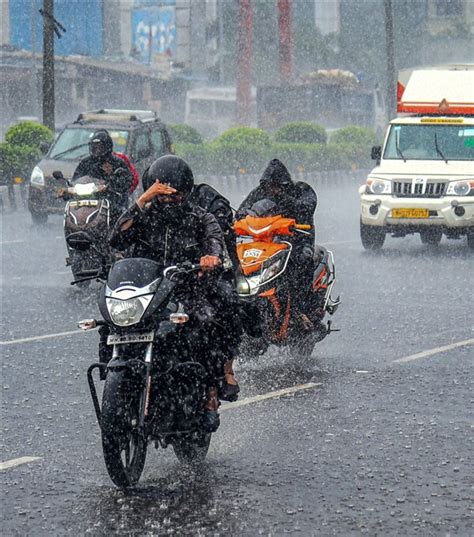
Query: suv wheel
(372, 237)
(432, 237)
(39, 218)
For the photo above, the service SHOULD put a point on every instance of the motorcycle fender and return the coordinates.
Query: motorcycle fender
(124, 362)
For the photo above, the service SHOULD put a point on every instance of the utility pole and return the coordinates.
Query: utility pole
(244, 62)
(391, 73)
(48, 63)
(286, 41)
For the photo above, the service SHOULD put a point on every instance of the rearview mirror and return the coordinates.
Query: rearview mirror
(376, 153)
(58, 175)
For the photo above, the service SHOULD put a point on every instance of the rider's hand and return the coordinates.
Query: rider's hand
(107, 168)
(102, 188)
(60, 192)
(208, 263)
(156, 189)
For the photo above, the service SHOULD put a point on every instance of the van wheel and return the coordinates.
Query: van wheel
(372, 237)
(432, 237)
(470, 240)
(39, 218)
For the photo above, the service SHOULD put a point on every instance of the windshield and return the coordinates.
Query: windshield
(73, 144)
(430, 142)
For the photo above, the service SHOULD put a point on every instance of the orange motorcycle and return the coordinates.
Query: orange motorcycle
(275, 311)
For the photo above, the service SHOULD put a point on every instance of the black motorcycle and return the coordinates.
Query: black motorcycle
(155, 382)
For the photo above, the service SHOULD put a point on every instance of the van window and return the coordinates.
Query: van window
(200, 108)
(157, 141)
(74, 143)
(225, 109)
(142, 146)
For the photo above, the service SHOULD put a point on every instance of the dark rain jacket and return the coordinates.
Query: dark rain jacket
(297, 200)
(154, 235)
(118, 186)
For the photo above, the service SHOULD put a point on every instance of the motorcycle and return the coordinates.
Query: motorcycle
(265, 284)
(155, 385)
(87, 210)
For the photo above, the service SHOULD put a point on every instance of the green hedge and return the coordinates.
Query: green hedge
(29, 133)
(21, 150)
(301, 132)
(245, 150)
(184, 134)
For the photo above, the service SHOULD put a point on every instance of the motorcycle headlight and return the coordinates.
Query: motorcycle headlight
(37, 176)
(378, 186)
(460, 188)
(127, 312)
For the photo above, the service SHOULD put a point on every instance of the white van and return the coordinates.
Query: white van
(212, 110)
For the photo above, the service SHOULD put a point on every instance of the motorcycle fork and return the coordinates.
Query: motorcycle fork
(147, 389)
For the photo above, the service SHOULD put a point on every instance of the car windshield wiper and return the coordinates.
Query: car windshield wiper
(73, 148)
(397, 147)
(438, 150)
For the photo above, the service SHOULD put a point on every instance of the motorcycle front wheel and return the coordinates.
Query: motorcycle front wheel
(190, 450)
(123, 444)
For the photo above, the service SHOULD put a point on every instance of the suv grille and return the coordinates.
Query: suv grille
(409, 189)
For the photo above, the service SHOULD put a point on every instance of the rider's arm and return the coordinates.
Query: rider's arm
(127, 228)
(82, 169)
(253, 197)
(213, 238)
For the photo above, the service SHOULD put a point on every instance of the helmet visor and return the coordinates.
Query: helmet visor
(97, 148)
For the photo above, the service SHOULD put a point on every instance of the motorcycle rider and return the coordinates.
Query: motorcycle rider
(103, 164)
(294, 200)
(165, 226)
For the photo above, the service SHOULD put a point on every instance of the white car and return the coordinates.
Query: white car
(423, 182)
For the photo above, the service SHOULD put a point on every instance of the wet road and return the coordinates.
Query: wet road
(381, 444)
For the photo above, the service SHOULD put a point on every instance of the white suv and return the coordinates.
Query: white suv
(423, 182)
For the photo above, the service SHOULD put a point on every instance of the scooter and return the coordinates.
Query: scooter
(87, 210)
(266, 287)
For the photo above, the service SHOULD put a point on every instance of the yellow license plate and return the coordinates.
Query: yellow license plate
(410, 213)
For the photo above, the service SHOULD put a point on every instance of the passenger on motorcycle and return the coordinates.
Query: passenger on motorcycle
(103, 164)
(165, 226)
(293, 200)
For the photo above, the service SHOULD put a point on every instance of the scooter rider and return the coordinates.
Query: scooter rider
(294, 200)
(163, 225)
(102, 164)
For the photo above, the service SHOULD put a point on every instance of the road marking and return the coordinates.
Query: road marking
(431, 352)
(13, 242)
(46, 336)
(339, 242)
(16, 462)
(270, 395)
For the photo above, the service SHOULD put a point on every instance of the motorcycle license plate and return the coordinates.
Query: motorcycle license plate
(114, 339)
(410, 213)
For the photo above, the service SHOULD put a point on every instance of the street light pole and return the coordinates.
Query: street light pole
(391, 74)
(48, 64)
(244, 62)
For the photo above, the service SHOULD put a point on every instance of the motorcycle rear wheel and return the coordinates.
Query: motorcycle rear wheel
(123, 445)
(192, 450)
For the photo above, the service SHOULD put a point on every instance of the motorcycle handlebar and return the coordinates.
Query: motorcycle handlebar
(181, 268)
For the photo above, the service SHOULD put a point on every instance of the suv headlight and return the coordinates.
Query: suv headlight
(378, 186)
(127, 312)
(461, 188)
(37, 176)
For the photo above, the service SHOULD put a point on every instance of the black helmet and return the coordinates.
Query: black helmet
(276, 174)
(100, 145)
(170, 170)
